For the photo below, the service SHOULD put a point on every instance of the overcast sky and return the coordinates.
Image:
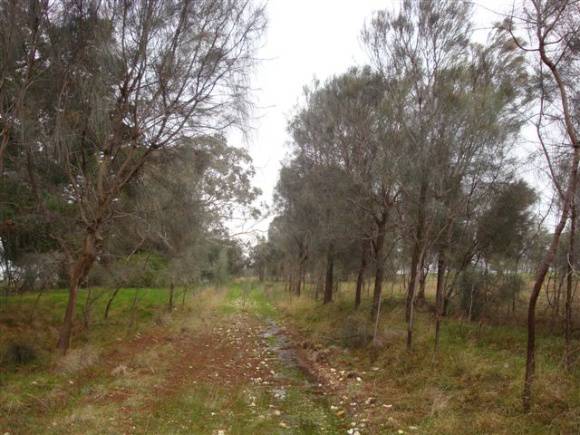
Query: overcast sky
(309, 39)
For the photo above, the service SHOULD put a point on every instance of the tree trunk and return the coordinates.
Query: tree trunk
(66, 329)
(380, 263)
(411, 300)
(412, 281)
(361, 275)
(183, 296)
(133, 316)
(567, 200)
(328, 287)
(77, 273)
(171, 296)
(539, 281)
(319, 284)
(298, 290)
(87, 309)
(415, 257)
(420, 299)
(439, 294)
(569, 287)
(110, 302)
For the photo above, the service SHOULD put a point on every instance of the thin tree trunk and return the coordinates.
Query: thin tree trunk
(416, 259)
(377, 321)
(570, 286)
(361, 275)
(410, 322)
(558, 295)
(470, 311)
(171, 296)
(110, 302)
(77, 274)
(567, 198)
(66, 329)
(412, 281)
(439, 294)
(298, 289)
(183, 297)
(420, 299)
(328, 287)
(380, 263)
(319, 284)
(539, 281)
(133, 316)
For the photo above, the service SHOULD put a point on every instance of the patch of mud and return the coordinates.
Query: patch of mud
(289, 356)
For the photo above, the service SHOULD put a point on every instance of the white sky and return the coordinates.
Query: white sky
(309, 39)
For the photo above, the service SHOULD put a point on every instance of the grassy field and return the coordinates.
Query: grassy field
(472, 385)
(212, 367)
(204, 368)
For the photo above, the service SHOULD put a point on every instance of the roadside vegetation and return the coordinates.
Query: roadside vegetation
(471, 385)
(409, 170)
(207, 366)
(414, 276)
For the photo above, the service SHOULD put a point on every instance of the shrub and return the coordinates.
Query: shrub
(483, 292)
(473, 286)
(18, 354)
(356, 331)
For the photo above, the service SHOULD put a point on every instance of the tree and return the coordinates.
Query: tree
(551, 35)
(124, 82)
(456, 104)
(346, 124)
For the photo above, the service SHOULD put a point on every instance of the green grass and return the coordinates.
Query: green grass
(50, 382)
(37, 319)
(57, 395)
(472, 385)
(249, 296)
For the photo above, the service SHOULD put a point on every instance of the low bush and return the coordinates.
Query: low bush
(18, 354)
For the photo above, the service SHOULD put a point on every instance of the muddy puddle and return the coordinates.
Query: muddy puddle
(281, 345)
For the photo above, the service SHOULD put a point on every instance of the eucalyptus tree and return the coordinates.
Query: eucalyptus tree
(456, 103)
(548, 31)
(122, 83)
(411, 48)
(345, 123)
(501, 231)
(313, 207)
(181, 218)
(299, 221)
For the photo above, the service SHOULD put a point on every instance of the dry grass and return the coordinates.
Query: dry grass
(473, 385)
(79, 359)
